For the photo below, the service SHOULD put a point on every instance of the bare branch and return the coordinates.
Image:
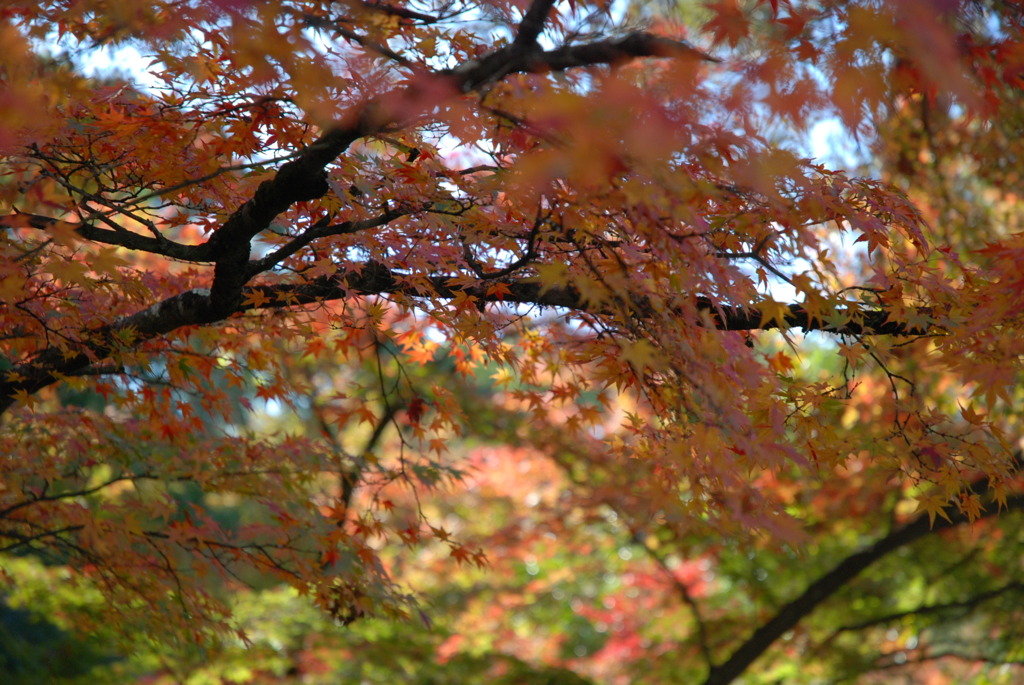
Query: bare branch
(121, 238)
(316, 233)
(961, 606)
(789, 615)
(401, 12)
(362, 41)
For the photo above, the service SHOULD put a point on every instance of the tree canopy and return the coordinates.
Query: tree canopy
(426, 309)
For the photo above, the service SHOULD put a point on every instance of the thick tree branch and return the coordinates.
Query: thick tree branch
(185, 309)
(194, 307)
(615, 50)
(477, 73)
(788, 616)
(376, 279)
(532, 24)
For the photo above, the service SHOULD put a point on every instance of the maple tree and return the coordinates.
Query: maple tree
(593, 243)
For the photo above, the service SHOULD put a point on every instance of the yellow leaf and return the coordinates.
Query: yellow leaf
(23, 397)
(503, 377)
(256, 298)
(933, 504)
(551, 276)
(640, 354)
(774, 312)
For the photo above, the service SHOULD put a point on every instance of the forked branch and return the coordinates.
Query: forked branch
(790, 614)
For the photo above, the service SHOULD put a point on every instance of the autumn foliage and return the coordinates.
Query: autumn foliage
(383, 301)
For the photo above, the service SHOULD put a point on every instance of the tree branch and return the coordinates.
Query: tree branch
(314, 233)
(615, 50)
(375, 279)
(532, 24)
(184, 309)
(195, 307)
(927, 609)
(400, 12)
(789, 615)
(959, 654)
(127, 239)
(304, 177)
